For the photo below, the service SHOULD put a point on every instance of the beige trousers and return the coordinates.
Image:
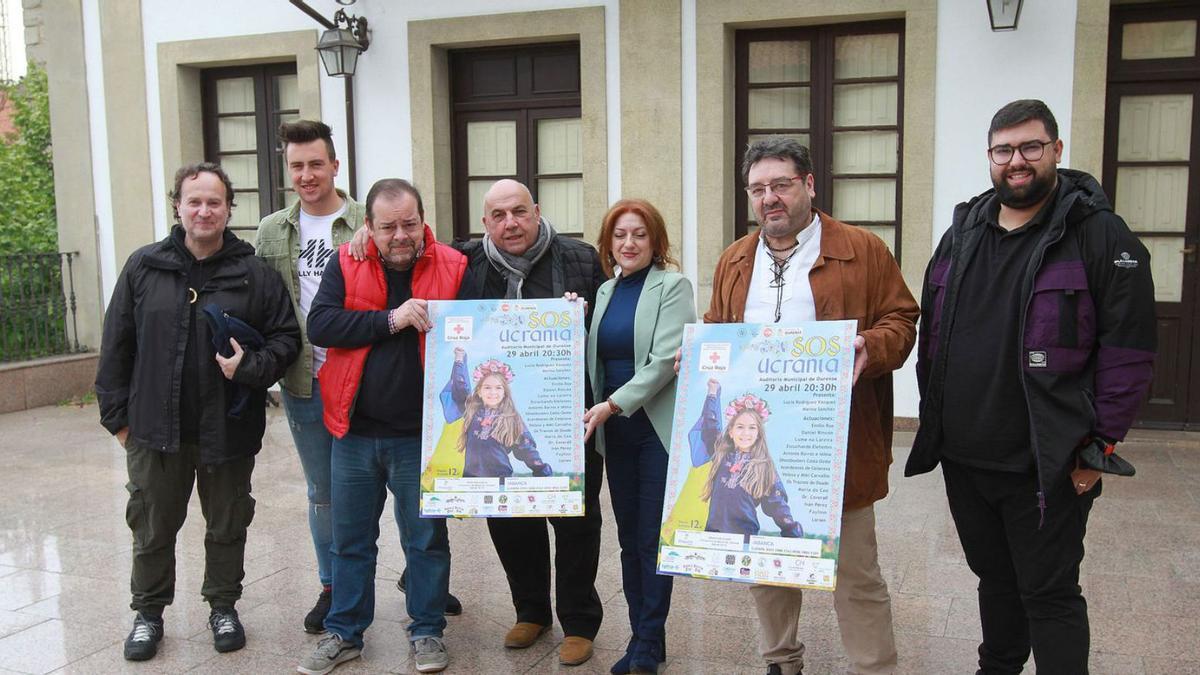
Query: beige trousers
(864, 609)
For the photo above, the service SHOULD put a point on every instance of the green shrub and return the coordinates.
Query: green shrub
(27, 219)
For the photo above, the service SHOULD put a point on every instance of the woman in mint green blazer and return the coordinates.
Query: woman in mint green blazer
(637, 327)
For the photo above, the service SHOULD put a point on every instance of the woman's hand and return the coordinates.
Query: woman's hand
(597, 415)
(574, 297)
(460, 355)
(714, 387)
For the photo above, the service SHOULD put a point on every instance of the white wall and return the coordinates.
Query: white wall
(978, 71)
(382, 110)
(169, 21)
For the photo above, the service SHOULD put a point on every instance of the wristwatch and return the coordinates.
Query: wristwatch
(612, 405)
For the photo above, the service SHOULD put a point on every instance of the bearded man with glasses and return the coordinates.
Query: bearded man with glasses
(1036, 347)
(802, 265)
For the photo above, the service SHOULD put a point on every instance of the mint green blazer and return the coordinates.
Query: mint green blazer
(665, 305)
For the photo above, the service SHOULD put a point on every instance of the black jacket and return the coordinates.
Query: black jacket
(146, 330)
(1087, 329)
(574, 266)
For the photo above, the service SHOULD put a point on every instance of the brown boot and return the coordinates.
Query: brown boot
(524, 634)
(574, 650)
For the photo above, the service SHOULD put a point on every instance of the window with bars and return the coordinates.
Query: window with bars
(838, 90)
(243, 108)
(517, 115)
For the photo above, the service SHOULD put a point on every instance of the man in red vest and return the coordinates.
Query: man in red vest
(371, 315)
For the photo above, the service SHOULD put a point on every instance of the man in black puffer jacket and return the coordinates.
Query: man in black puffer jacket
(166, 394)
(521, 256)
(1036, 343)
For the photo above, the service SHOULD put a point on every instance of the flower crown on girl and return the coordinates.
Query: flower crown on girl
(492, 366)
(747, 402)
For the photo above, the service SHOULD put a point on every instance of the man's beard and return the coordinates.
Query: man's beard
(1028, 195)
(418, 251)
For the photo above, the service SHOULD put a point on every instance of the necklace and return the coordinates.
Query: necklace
(779, 267)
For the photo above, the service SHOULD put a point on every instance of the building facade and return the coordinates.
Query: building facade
(588, 101)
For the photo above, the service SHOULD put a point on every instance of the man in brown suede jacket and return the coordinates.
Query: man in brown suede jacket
(802, 265)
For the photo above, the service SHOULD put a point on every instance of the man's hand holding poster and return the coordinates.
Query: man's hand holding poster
(758, 453)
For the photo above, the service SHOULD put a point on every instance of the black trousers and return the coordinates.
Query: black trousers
(524, 548)
(1029, 594)
(160, 485)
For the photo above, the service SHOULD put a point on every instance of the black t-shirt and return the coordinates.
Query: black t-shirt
(389, 395)
(985, 419)
(199, 353)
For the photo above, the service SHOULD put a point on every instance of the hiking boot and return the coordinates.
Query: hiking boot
(142, 643)
(330, 651)
(430, 655)
(228, 634)
(453, 606)
(314, 621)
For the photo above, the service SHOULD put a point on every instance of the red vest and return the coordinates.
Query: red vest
(437, 275)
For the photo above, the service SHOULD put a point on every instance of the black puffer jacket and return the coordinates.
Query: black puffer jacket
(146, 331)
(575, 267)
(1087, 333)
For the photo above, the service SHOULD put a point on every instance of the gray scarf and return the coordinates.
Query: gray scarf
(516, 268)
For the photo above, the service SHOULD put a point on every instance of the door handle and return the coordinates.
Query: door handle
(1188, 250)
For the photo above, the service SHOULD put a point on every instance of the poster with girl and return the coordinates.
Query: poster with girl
(758, 453)
(504, 381)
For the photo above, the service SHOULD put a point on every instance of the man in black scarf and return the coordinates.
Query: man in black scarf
(521, 256)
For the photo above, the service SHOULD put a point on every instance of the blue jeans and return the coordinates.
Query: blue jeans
(637, 478)
(363, 470)
(314, 445)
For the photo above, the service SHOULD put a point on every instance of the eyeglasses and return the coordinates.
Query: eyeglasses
(1032, 151)
(778, 186)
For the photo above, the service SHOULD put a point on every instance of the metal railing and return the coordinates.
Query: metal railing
(37, 307)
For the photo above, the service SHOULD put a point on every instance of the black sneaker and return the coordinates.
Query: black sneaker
(314, 621)
(228, 634)
(142, 643)
(453, 606)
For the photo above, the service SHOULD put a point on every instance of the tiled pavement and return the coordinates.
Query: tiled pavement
(64, 566)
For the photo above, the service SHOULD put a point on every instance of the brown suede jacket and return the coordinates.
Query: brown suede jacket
(854, 277)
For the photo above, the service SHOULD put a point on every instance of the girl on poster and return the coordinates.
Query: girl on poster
(492, 427)
(742, 477)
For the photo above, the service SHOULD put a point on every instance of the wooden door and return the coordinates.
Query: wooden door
(1152, 175)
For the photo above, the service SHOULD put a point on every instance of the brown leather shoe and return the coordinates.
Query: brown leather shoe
(574, 650)
(524, 634)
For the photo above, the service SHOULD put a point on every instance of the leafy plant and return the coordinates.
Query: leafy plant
(27, 217)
